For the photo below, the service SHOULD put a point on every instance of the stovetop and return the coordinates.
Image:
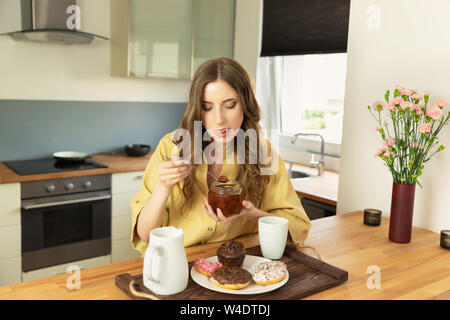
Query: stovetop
(48, 165)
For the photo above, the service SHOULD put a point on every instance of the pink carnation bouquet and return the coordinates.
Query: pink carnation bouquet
(409, 129)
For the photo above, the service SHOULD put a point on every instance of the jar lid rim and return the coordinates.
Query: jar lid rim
(231, 186)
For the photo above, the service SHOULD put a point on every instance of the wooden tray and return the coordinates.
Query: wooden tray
(307, 275)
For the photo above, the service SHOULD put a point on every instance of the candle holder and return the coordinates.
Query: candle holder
(372, 217)
(445, 239)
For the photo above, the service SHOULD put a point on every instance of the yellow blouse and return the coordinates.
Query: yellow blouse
(278, 198)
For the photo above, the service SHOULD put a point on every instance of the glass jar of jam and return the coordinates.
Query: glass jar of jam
(226, 195)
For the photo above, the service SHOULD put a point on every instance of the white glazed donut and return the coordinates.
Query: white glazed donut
(268, 272)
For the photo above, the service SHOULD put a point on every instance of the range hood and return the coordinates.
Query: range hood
(55, 21)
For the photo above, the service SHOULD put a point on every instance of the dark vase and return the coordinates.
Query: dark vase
(402, 207)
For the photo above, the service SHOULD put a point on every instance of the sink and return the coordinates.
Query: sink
(294, 174)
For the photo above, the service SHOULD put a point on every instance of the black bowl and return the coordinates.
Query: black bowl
(137, 150)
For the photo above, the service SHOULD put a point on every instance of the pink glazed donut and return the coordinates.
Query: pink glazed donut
(206, 267)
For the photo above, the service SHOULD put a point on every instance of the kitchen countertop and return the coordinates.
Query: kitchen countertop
(323, 188)
(115, 163)
(417, 270)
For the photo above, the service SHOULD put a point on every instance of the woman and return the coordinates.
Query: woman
(172, 193)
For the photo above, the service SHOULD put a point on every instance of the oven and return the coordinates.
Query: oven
(65, 220)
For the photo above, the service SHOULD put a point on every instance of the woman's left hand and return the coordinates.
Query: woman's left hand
(248, 210)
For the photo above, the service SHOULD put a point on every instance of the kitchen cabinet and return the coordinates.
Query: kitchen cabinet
(10, 234)
(124, 187)
(213, 34)
(169, 39)
(316, 210)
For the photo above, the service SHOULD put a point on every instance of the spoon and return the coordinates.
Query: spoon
(224, 178)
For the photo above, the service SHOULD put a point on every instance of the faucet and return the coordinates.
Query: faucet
(320, 165)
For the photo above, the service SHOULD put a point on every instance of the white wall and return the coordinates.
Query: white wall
(410, 48)
(36, 71)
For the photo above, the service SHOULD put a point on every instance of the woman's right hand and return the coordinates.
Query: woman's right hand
(172, 171)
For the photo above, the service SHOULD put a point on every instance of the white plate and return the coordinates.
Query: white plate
(252, 288)
(70, 154)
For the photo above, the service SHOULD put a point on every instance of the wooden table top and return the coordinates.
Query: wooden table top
(417, 270)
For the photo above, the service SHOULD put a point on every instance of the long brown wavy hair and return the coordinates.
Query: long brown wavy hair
(236, 76)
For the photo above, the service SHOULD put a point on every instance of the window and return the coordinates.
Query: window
(312, 95)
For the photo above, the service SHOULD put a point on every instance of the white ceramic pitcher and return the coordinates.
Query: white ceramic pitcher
(165, 263)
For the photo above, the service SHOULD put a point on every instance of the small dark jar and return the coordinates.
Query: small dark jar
(372, 217)
(445, 239)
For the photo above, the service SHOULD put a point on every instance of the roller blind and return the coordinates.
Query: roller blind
(295, 27)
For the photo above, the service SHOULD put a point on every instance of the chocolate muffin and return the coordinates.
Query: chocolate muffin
(231, 277)
(231, 253)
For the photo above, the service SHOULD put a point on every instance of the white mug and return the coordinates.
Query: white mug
(272, 232)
